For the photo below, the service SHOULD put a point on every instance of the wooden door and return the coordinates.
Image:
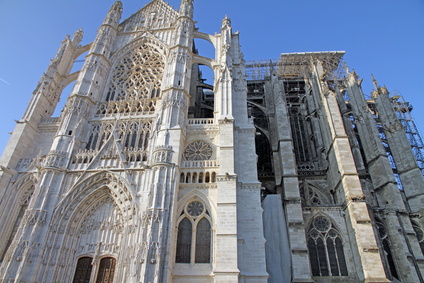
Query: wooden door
(106, 270)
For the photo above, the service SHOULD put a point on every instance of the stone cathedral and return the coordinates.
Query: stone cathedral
(279, 171)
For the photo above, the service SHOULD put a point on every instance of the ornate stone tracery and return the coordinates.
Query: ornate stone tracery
(194, 233)
(135, 83)
(325, 247)
(133, 135)
(198, 150)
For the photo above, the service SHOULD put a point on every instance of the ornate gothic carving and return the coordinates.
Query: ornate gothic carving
(135, 82)
(34, 216)
(77, 200)
(55, 159)
(175, 100)
(162, 154)
(23, 164)
(157, 14)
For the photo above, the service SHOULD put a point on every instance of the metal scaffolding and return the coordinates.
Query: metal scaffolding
(295, 65)
(403, 110)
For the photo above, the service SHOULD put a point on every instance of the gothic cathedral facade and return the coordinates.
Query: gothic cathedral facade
(152, 175)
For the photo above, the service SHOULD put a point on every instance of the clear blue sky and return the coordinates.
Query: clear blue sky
(380, 37)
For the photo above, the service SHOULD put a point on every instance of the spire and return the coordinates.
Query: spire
(376, 92)
(374, 81)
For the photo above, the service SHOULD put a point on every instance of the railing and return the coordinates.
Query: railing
(200, 121)
(50, 120)
(200, 163)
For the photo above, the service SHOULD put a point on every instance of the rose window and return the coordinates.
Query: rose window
(195, 208)
(198, 150)
(322, 224)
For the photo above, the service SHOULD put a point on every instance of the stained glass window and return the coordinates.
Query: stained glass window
(325, 248)
(195, 208)
(203, 241)
(195, 224)
(184, 241)
(198, 150)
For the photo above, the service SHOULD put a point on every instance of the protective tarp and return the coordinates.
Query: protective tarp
(277, 249)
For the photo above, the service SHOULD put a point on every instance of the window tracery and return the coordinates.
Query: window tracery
(134, 136)
(300, 139)
(135, 83)
(198, 150)
(310, 196)
(194, 234)
(325, 248)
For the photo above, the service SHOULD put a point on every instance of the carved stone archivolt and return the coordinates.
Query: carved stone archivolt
(87, 192)
(93, 218)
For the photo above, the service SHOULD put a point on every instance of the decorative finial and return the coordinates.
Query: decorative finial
(116, 6)
(76, 39)
(226, 22)
(374, 81)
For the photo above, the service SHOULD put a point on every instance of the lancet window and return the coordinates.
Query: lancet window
(311, 196)
(194, 234)
(133, 135)
(300, 136)
(387, 253)
(325, 247)
(100, 133)
(135, 138)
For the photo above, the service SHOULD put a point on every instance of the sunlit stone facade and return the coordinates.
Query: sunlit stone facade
(152, 175)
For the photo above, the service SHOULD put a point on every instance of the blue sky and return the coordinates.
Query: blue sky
(380, 37)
